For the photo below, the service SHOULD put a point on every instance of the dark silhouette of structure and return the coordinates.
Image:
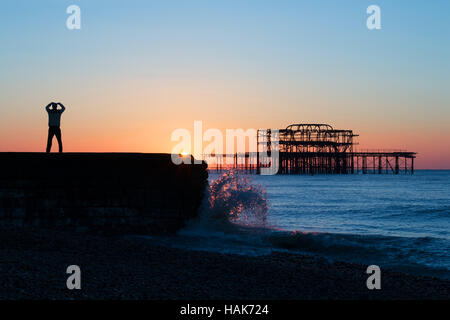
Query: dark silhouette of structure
(54, 124)
(105, 192)
(314, 149)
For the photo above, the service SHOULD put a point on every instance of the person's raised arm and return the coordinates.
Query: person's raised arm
(47, 108)
(62, 107)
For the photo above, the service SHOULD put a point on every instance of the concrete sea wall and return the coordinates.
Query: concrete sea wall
(117, 192)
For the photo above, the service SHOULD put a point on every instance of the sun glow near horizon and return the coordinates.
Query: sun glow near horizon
(135, 73)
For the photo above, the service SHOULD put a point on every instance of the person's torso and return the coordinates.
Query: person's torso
(54, 118)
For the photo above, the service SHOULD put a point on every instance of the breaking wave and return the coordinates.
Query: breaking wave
(234, 219)
(234, 199)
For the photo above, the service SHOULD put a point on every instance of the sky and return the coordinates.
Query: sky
(138, 70)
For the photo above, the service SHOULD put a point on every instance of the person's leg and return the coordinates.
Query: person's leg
(49, 139)
(58, 137)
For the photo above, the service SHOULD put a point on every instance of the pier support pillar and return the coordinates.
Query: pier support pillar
(397, 167)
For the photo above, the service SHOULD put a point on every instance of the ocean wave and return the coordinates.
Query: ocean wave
(234, 219)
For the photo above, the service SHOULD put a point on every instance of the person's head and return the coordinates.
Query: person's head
(54, 106)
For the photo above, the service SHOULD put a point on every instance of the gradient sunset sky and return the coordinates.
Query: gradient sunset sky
(137, 70)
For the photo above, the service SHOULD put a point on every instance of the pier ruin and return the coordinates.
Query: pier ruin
(313, 149)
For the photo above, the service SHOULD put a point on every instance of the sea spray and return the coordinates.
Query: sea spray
(316, 216)
(232, 218)
(234, 197)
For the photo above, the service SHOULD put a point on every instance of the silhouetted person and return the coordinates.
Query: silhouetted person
(54, 122)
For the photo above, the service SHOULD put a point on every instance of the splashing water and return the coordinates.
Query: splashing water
(235, 198)
(326, 221)
(232, 218)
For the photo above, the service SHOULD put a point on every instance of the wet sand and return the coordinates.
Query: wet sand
(33, 266)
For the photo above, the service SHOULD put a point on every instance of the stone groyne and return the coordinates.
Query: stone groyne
(119, 192)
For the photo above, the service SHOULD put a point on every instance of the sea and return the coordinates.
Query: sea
(398, 222)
